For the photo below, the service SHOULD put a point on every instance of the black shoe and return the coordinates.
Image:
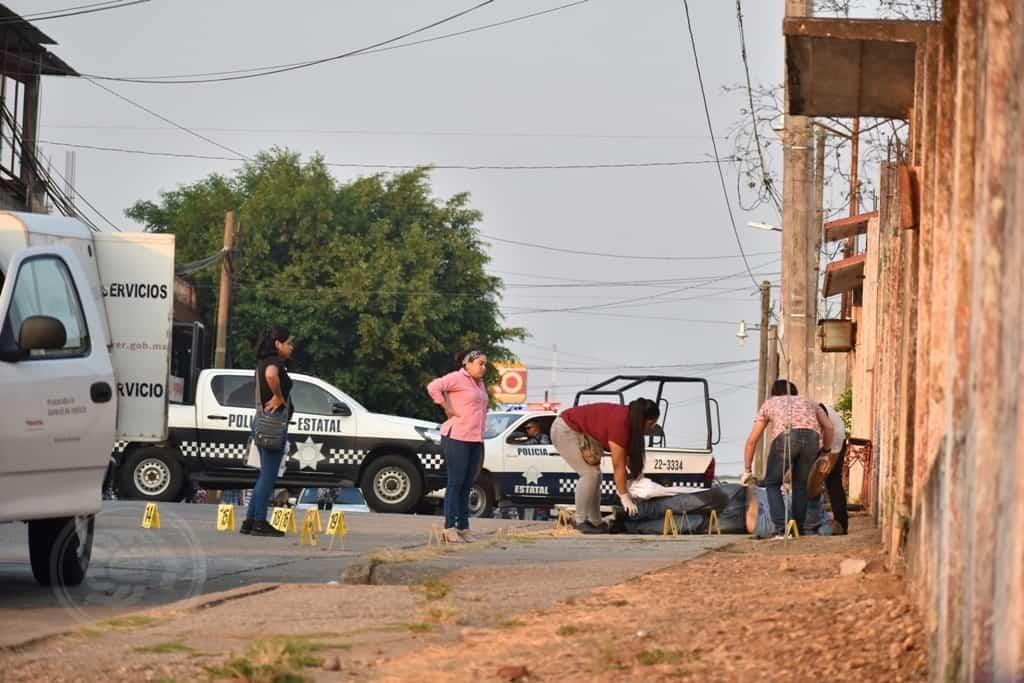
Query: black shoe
(246, 527)
(262, 528)
(588, 528)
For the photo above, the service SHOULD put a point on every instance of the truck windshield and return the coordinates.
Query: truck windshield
(498, 423)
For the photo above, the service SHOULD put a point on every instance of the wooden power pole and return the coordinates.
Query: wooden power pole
(762, 365)
(220, 353)
(797, 214)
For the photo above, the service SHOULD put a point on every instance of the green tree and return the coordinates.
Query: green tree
(380, 283)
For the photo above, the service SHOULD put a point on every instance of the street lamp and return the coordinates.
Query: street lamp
(765, 226)
(742, 334)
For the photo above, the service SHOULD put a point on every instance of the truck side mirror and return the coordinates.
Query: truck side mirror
(37, 333)
(341, 409)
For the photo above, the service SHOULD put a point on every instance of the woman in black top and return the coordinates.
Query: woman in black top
(272, 352)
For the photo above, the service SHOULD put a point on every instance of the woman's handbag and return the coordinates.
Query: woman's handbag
(590, 449)
(269, 430)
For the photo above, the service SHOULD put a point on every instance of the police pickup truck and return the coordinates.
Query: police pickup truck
(535, 475)
(332, 438)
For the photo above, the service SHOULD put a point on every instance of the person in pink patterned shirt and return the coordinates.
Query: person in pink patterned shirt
(796, 429)
(464, 398)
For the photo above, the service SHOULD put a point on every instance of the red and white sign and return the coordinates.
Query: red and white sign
(511, 387)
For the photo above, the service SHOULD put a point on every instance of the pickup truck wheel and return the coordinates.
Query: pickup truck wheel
(152, 474)
(481, 496)
(392, 483)
(60, 549)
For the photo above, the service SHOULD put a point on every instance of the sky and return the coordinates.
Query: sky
(602, 82)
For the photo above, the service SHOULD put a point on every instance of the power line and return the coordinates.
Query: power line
(579, 252)
(163, 118)
(371, 132)
(241, 74)
(72, 11)
(370, 165)
(714, 146)
(656, 299)
(766, 178)
(384, 46)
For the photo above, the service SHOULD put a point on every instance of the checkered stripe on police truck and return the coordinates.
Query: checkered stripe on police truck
(431, 461)
(345, 456)
(222, 451)
(608, 486)
(119, 446)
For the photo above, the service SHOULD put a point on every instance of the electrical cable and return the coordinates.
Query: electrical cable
(579, 252)
(714, 146)
(70, 12)
(284, 68)
(255, 72)
(165, 119)
(368, 165)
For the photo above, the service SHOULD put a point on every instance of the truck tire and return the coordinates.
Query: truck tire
(152, 474)
(60, 549)
(482, 497)
(392, 483)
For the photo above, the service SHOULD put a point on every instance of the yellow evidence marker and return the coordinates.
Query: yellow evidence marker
(284, 520)
(792, 529)
(308, 536)
(314, 515)
(564, 524)
(336, 528)
(713, 522)
(225, 517)
(151, 517)
(669, 526)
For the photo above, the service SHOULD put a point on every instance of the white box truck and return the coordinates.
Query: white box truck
(84, 357)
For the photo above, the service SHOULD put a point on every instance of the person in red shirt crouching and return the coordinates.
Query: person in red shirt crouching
(582, 435)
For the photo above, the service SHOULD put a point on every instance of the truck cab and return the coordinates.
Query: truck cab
(520, 471)
(83, 357)
(332, 441)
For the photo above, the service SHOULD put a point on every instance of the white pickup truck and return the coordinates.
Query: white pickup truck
(84, 357)
(535, 475)
(332, 439)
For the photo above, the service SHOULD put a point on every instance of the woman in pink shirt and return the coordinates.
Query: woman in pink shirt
(464, 398)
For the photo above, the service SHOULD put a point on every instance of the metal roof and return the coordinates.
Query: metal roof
(21, 45)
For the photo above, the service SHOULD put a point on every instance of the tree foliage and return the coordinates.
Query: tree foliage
(380, 283)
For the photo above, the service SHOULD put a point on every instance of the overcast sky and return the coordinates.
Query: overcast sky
(607, 81)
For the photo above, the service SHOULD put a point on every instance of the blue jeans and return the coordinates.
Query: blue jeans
(270, 462)
(803, 451)
(462, 460)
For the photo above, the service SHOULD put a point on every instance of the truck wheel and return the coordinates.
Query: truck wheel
(152, 474)
(392, 483)
(60, 549)
(482, 497)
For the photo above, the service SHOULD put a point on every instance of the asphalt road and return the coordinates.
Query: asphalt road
(134, 568)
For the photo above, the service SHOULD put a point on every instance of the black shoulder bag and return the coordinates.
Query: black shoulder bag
(269, 429)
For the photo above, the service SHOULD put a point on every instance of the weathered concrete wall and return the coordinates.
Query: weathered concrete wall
(940, 387)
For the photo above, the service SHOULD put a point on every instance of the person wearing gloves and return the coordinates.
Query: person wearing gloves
(464, 398)
(582, 435)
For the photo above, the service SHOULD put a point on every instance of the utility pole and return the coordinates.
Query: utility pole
(224, 304)
(797, 215)
(851, 242)
(762, 364)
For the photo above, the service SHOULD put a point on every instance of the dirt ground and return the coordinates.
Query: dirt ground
(751, 611)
